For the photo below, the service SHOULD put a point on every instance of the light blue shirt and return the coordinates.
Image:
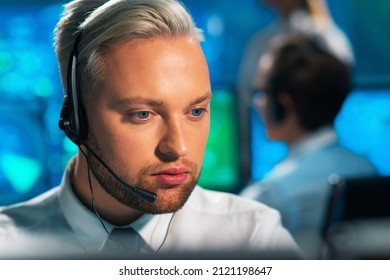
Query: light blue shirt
(57, 224)
(298, 186)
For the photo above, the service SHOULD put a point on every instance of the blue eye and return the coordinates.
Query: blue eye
(197, 112)
(143, 115)
(140, 117)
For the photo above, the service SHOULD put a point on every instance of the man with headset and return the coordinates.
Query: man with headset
(300, 88)
(137, 104)
(308, 16)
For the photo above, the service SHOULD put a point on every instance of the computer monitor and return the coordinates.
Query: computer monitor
(221, 161)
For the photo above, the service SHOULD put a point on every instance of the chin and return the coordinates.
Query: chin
(171, 200)
(271, 137)
(168, 200)
(273, 134)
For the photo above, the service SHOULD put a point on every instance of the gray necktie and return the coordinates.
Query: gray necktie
(124, 242)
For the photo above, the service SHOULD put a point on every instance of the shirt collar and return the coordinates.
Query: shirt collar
(89, 230)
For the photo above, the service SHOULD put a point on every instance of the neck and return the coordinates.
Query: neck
(106, 206)
(293, 134)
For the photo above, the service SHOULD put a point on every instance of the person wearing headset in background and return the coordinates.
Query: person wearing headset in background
(306, 16)
(301, 88)
(137, 104)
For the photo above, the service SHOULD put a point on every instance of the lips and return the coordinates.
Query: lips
(172, 176)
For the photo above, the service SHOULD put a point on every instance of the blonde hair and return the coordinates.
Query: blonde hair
(105, 23)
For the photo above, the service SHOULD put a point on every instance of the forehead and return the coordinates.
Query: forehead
(155, 66)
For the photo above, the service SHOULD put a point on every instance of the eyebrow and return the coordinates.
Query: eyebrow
(139, 100)
(200, 99)
(156, 103)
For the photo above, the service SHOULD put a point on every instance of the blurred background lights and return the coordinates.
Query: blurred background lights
(21, 171)
(215, 26)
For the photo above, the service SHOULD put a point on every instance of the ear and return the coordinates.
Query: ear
(286, 101)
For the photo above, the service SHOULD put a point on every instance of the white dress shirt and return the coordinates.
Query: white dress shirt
(57, 224)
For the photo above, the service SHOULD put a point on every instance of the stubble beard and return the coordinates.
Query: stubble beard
(169, 198)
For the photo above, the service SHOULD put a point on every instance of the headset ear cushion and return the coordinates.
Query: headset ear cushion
(278, 111)
(68, 123)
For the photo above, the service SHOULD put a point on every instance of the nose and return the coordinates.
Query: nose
(173, 144)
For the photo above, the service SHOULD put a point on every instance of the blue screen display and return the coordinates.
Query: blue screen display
(363, 126)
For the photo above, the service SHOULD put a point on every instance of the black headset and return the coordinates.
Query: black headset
(73, 119)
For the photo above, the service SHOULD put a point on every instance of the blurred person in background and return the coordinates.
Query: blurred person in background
(301, 86)
(306, 16)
